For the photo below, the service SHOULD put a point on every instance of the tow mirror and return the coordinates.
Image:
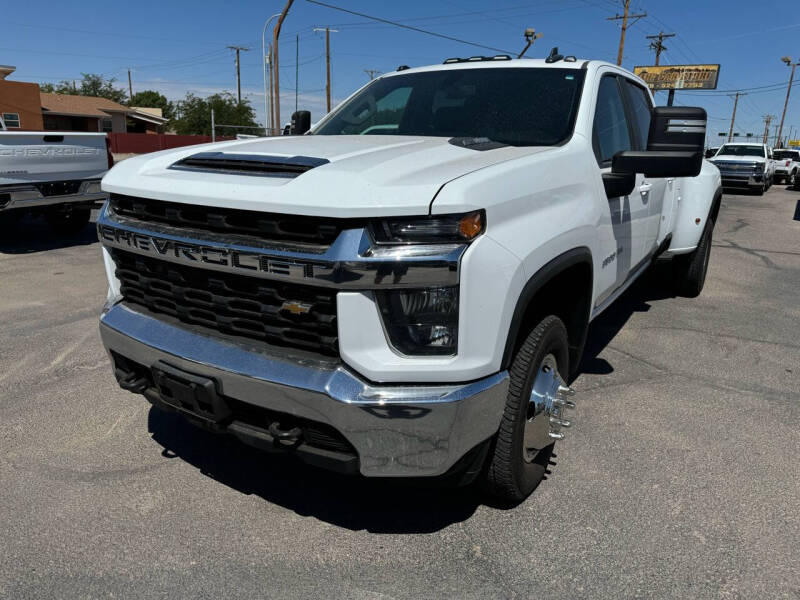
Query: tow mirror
(301, 122)
(674, 145)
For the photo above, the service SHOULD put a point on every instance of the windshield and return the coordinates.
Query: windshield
(732, 150)
(787, 154)
(515, 106)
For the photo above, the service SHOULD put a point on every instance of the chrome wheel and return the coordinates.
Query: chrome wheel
(546, 407)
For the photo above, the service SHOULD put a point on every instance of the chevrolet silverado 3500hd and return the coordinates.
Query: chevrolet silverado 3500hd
(53, 173)
(405, 290)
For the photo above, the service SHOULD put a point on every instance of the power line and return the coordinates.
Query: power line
(410, 27)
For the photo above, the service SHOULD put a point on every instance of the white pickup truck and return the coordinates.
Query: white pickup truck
(405, 290)
(53, 173)
(787, 166)
(744, 165)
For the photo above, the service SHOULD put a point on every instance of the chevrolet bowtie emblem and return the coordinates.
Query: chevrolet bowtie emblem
(296, 308)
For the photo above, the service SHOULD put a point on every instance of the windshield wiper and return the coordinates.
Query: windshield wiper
(476, 143)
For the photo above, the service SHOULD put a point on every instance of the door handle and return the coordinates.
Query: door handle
(645, 188)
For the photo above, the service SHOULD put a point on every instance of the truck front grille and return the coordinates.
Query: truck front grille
(280, 314)
(316, 232)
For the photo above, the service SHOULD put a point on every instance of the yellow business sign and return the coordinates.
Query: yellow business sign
(679, 77)
(794, 142)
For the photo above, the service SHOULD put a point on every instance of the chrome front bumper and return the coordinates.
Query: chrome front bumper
(397, 430)
(28, 196)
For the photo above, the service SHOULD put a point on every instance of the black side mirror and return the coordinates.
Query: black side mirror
(301, 122)
(674, 145)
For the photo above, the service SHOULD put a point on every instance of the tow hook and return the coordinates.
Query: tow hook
(132, 383)
(285, 437)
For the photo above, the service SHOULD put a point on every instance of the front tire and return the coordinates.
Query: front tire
(689, 270)
(513, 470)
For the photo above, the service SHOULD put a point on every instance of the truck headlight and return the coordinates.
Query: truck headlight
(432, 229)
(421, 321)
(759, 167)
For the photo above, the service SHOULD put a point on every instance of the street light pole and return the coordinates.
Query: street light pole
(268, 125)
(789, 63)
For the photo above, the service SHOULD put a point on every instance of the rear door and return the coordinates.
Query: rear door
(656, 192)
(35, 156)
(612, 132)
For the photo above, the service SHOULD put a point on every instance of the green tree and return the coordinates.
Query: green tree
(152, 99)
(91, 84)
(194, 114)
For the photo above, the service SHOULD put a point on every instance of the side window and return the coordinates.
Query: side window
(642, 112)
(611, 133)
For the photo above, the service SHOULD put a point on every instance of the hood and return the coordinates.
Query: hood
(351, 176)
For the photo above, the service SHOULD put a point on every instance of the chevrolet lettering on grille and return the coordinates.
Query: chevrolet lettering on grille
(231, 260)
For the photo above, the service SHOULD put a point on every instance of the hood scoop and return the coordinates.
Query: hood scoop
(249, 164)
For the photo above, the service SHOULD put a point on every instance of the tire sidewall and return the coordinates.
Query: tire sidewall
(553, 341)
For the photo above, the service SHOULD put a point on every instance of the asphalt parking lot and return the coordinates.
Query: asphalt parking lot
(680, 479)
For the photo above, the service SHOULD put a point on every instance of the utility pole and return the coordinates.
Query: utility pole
(530, 37)
(276, 90)
(372, 73)
(767, 121)
(327, 31)
(658, 44)
(238, 49)
(789, 63)
(733, 116)
(624, 17)
(130, 86)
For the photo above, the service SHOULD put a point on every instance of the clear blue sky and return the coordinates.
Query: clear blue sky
(177, 46)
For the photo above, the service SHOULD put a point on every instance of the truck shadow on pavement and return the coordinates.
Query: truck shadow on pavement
(354, 502)
(351, 502)
(652, 285)
(31, 235)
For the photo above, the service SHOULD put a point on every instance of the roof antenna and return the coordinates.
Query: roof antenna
(530, 36)
(554, 56)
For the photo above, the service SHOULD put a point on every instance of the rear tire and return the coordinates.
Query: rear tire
(512, 472)
(689, 270)
(69, 221)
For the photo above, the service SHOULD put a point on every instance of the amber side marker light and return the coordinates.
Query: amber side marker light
(471, 225)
